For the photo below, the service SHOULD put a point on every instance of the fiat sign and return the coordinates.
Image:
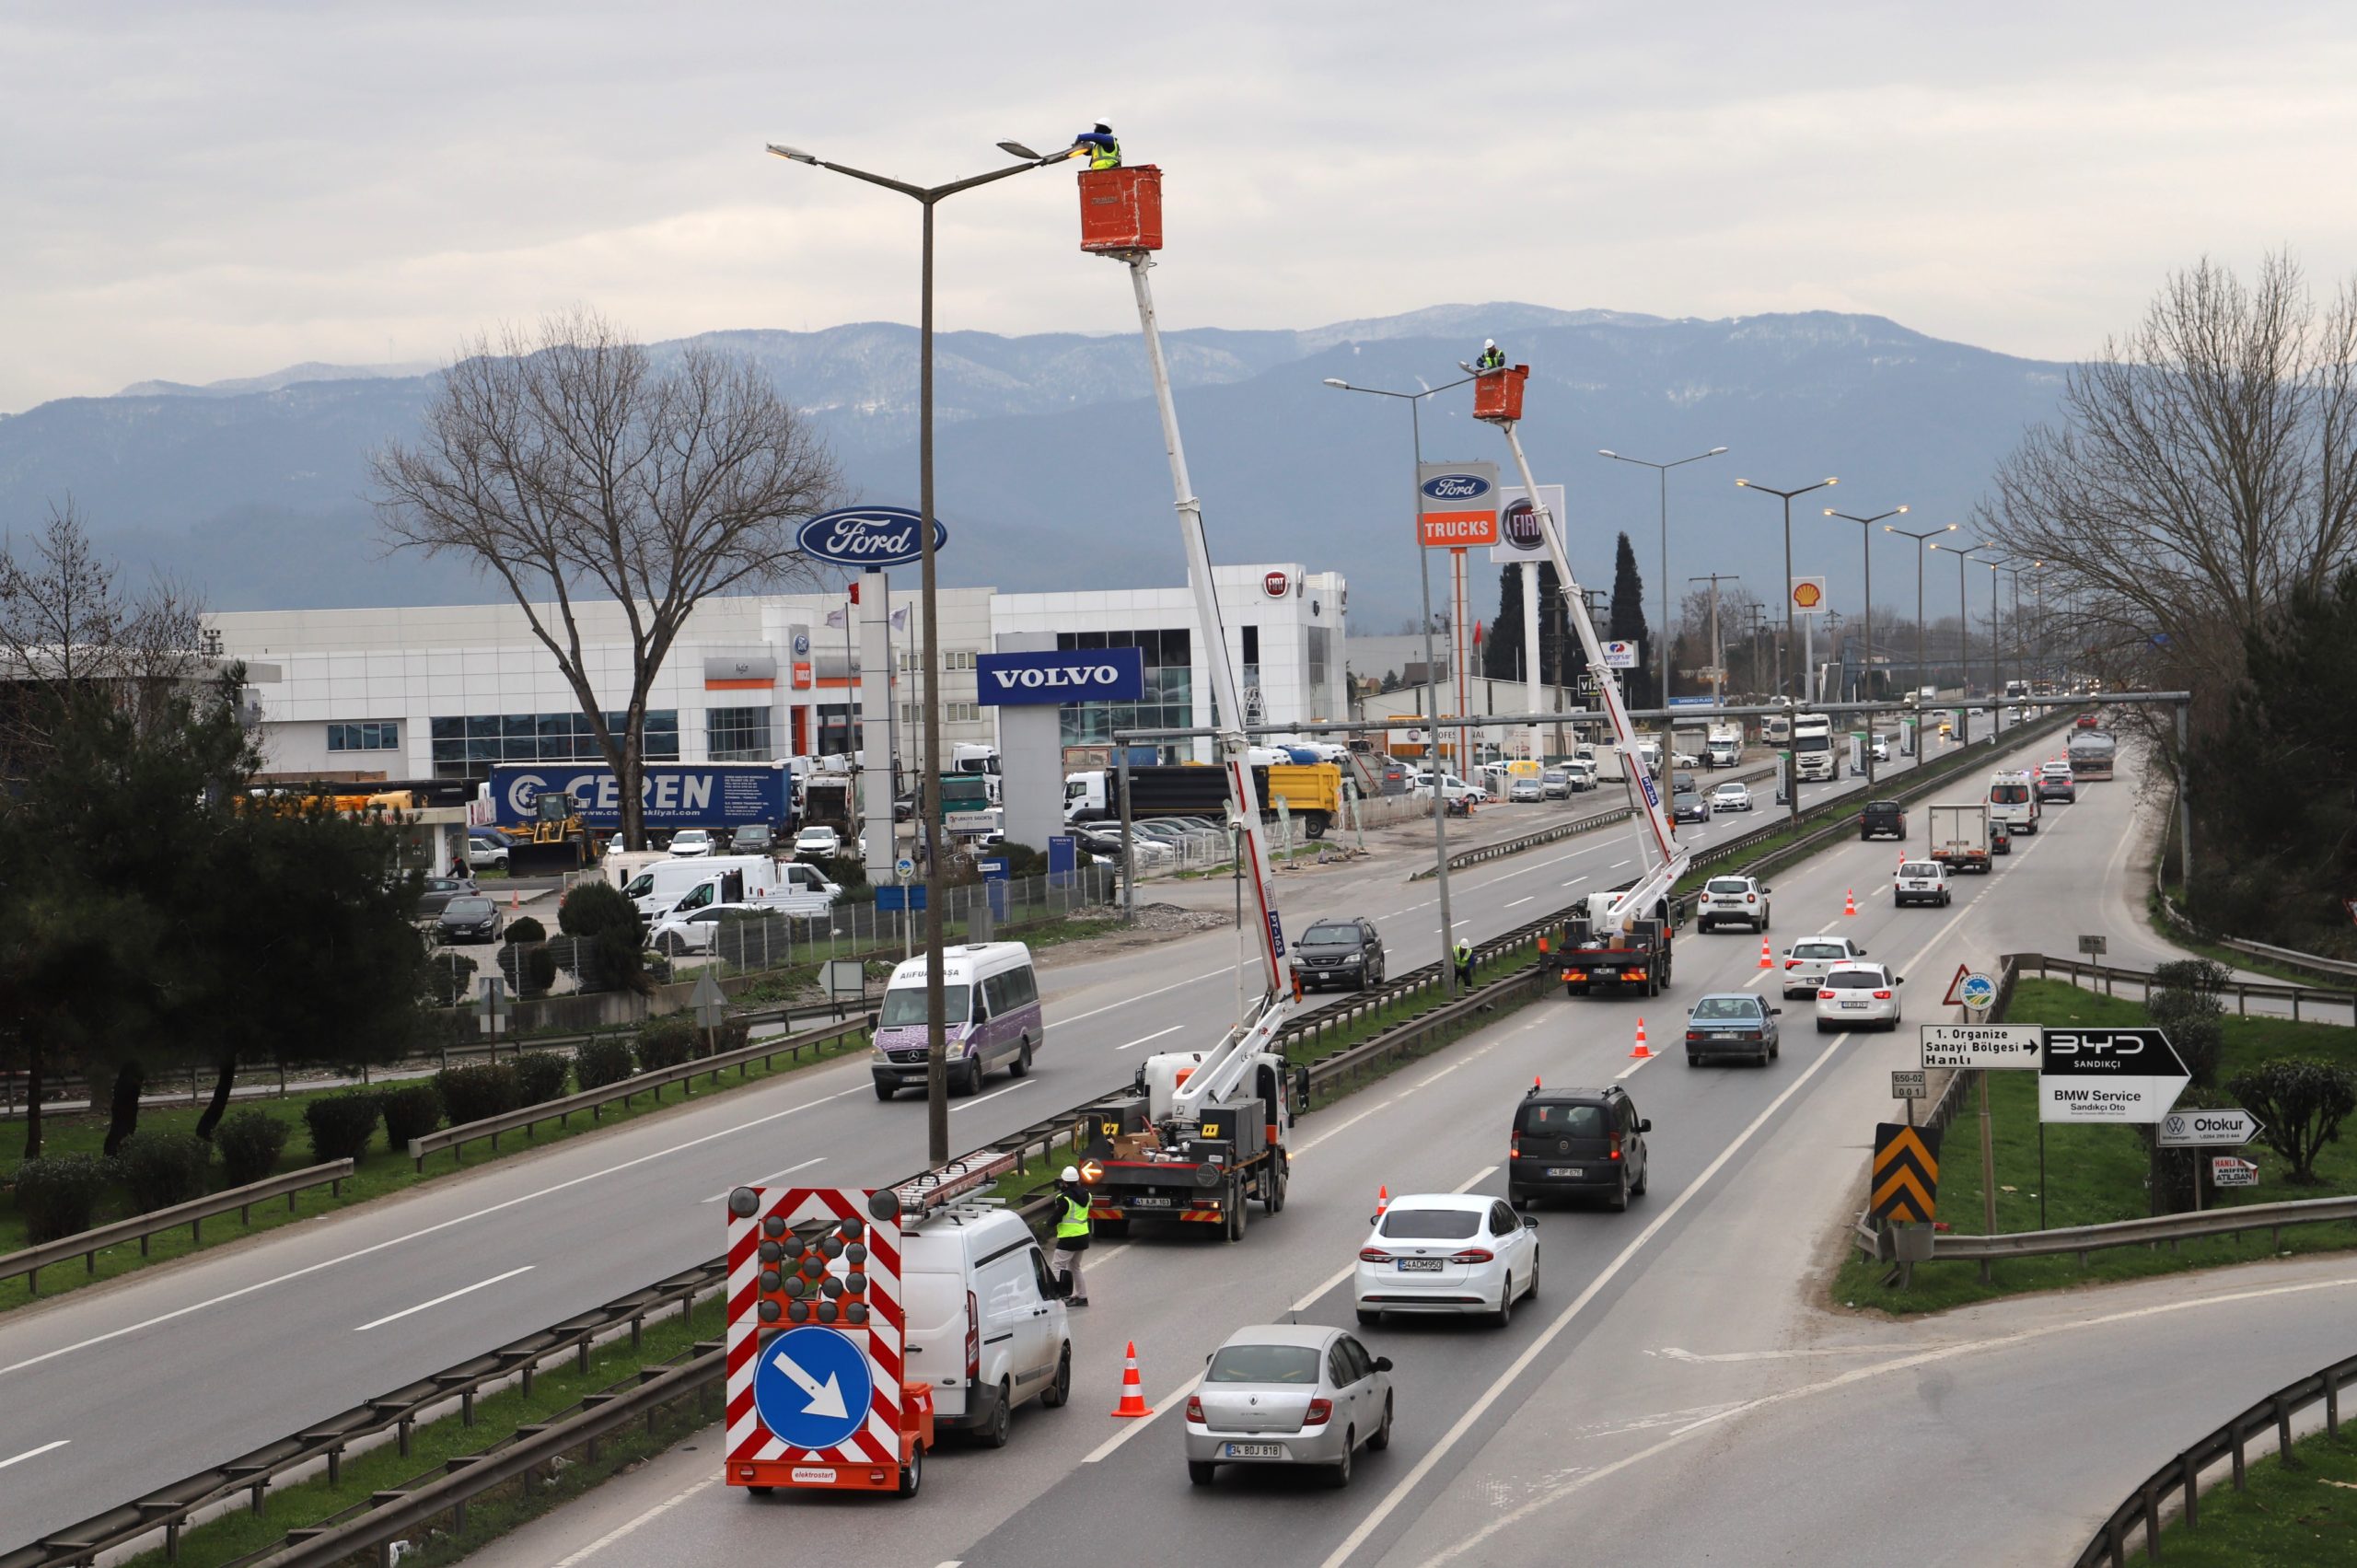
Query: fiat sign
(1519, 535)
(873, 536)
(1275, 584)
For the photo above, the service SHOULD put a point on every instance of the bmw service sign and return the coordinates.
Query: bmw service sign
(867, 537)
(1086, 675)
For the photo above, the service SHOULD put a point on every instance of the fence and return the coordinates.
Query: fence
(857, 930)
(87, 1244)
(2076, 970)
(2183, 1473)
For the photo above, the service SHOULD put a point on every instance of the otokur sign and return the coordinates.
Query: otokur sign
(867, 536)
(1090, 675)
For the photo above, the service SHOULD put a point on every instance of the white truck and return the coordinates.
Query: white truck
(1726, 743)
(680, 887)
(1814, 759)
(1960, 836)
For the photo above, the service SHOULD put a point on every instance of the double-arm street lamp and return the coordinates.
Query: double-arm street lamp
(1964, 553)
(929, 797)
(1791, 780)
(1920, 538)
(1662, 471)
(1432, 678)
(1868, 523)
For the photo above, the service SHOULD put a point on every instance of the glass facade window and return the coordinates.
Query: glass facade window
(737, 735)
(466, 747)
(1169, 702)
(376, 735)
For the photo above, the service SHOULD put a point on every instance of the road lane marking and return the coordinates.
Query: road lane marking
(451, 1295)
(1475, 1180)
(1214, 974)
(764, 1181)
(1156, 1035)
(1177, 1395)
(985, 1099)
(628, 1526)
(1630, 1070)
(1518, 902)
(242, 1291)
(33, 1453)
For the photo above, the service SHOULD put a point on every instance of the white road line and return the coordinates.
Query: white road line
(1343, 1126)
(1522, 1364)
(603, 1542)
(1329, 1282)
(226, 1296)
(764, 1181)
(452, 1296)
(1630, 1070)
(1475, 1180)
(1518, 902)
(1075, 1017)
(985, 1099)
(1471, 1056)
(1130, 1429)
(1616, 865)
(1156, 1035)
(33, 1453)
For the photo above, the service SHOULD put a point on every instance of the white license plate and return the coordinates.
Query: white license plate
(1253, 1451)
(1572, 1172)
(1148, 1203)
(1722, 1034)
(1419, 1265)
(1856, 1006)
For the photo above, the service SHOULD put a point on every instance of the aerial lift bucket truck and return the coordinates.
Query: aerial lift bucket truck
(1619, 938)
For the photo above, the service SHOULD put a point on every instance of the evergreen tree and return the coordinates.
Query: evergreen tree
(1558, 654)
(1502, 652)
(1629, 625)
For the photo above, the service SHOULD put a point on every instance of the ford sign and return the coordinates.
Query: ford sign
(867, 537)
(1457, 487)
(1092, 675)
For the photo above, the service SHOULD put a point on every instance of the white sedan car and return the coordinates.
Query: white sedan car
(1808, 960)
(689, 841)
(1731, 797)
(1447, 1252)
(1858, 996)
(822, 842)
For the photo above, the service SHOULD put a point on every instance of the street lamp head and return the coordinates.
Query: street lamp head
(1830, 479)
(1742, 483)
(1606, 452)
(1951, 527)
(796, 153)
(1902, 508)
(1331, 381)
(1017, 149)
(1714, 452)
(1828, 511)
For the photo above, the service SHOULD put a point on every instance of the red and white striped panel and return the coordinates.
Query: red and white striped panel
(879, 1442)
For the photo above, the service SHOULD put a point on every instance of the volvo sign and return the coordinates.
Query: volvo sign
(867, 537)
(1079, 675)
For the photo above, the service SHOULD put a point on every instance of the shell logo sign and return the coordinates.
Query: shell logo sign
(1808, 594)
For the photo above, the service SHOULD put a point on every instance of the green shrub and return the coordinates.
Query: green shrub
(164, 1169)
(539, 972)
(449, 980)
(598, 913)
(251, 1141)
(524, 929)
(594, 907)
(603, 1061)
(341, 1125)
(666, 1042)
(487, 1088)
(411, 1111)
(59, 1194)
(542, 1074)
(2300, 1102)
(657, 967)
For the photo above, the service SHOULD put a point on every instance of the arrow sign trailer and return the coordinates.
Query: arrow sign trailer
(2127, 1076)
(1982, 1047)
(812, 1387)
(2209, 1129)
(1907, 1172)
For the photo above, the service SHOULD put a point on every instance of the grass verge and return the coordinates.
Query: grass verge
(2094, 1175)
(2285, 1515)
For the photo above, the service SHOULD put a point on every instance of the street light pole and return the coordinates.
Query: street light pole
(1432, 678)
(928, 197)
(1661, 471)
(1919, 668)
(1964, 635)
(1868, 525)
(1792, 782)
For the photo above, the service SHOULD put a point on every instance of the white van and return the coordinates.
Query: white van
(657, 889)
(986, 1326)
(989, 1008)
(792, 886)
(2012, 800)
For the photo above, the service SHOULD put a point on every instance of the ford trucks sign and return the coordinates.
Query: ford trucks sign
(1458, 486)
(868, 536)
(1081, 675)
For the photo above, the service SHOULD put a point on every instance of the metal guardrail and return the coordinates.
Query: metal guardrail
(168, 1509)
(2183, 1473)
(2074, 969)
(1561, 831)
(2151, 1231)
(594, 1101)
(87, 1244)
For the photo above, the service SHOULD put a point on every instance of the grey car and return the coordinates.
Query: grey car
(1732, 1023)
(1289, 1394)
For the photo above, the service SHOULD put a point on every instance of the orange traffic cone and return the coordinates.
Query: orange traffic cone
(1641, 1051)
(1133, 1395)
(515, 900)
(1766, 959)
(1382, 1201)
(1850, 903)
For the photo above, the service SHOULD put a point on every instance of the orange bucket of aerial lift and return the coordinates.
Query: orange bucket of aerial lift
(1497, 396)
(1120, 209)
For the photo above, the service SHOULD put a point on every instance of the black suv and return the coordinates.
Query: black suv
(1877, 818)
(1338, 952)
(1577, 1144)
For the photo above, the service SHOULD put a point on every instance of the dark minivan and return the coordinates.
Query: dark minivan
(1577, 1144)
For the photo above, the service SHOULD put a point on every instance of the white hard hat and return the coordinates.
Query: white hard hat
(1071, 1173)
(1489, 342)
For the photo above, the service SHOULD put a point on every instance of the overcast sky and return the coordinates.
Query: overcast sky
(194, 191)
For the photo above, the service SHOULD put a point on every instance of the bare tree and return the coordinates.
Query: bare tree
(570, 467)
(2202, 469)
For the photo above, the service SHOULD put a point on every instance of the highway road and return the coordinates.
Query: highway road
(1648, 1321)
(309, 1321)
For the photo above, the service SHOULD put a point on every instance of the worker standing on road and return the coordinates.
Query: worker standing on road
(1072, 1234)
(1464, 953)
(1104, 147)
(1493, 357)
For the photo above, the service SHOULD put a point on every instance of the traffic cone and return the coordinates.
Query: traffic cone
(1133, 1395)
(1641, 1051)
(1382, 1201)
(1850, 903)
(1766, 959)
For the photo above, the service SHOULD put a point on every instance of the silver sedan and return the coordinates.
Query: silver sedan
(1288, 1394)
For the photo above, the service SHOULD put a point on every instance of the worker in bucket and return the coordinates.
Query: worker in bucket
(1072, 1234)
(1493, 357)
(1103, 148)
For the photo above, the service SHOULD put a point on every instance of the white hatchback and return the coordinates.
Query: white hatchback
(1447, 1252)
(689, 841)
(1858, 996)
(1808, 961)
(1731, 796)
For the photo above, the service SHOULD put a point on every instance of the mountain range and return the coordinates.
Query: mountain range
(1051, 471)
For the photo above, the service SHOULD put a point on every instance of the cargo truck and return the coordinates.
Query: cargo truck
(2091, 752)
(1312, 794)
(1725, 745)
(1814, 758)
(1960, 836)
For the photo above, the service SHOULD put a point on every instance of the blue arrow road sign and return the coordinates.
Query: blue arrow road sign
(812, 1388)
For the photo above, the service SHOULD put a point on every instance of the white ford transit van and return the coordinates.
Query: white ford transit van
(986, 1326)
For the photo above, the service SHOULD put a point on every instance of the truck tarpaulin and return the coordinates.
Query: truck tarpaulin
(675, 795)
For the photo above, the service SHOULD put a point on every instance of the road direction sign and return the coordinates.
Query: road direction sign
(1907, 1083)
(2233, 1170)
(812, 1388)
(2117, 1075)
(2208, 1128)
(1907, 1172)
(1981, 1046)
(2094, 947)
